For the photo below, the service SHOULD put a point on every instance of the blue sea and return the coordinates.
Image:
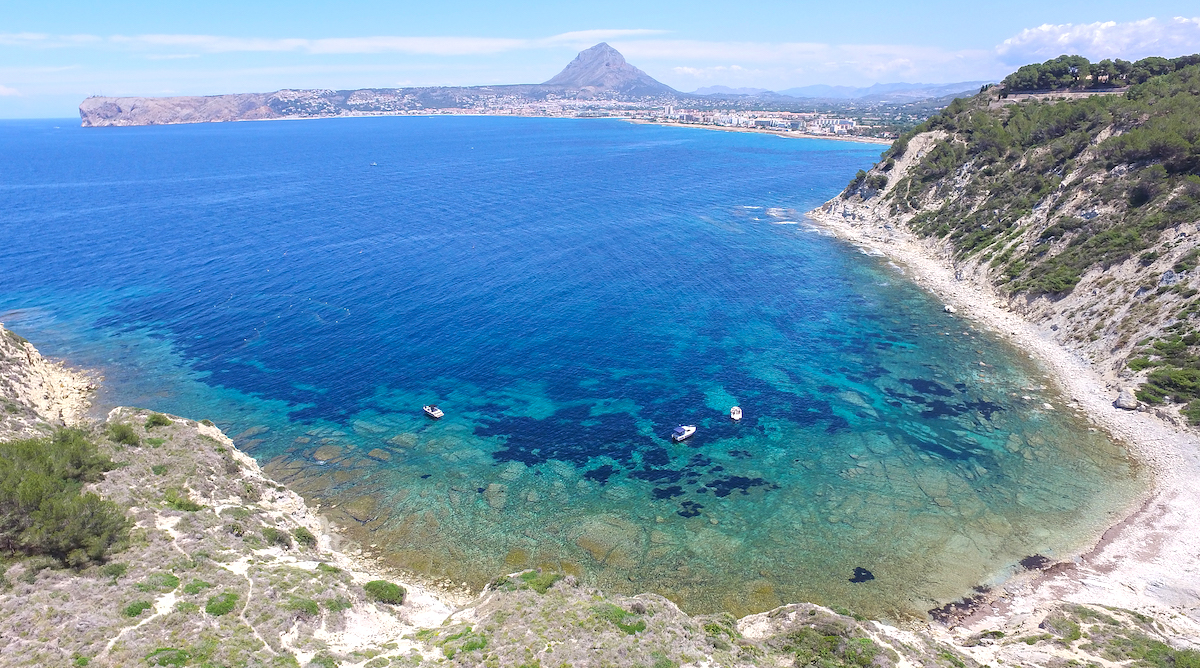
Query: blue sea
(568, 292)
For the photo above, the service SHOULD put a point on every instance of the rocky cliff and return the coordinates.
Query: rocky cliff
(1080, 214)
(37, 395)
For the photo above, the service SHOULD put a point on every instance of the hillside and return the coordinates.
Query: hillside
(1081, 214)
(603, 68)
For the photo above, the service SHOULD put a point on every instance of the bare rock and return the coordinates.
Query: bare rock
(1126, 400)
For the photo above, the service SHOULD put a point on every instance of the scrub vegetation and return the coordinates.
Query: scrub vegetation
(43, 510)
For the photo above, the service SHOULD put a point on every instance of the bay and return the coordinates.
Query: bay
(568, 291)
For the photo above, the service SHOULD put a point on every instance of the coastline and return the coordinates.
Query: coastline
(1145, 559)
(636, 121)
(786, 135)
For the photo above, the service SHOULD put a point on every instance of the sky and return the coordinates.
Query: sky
(53, 54)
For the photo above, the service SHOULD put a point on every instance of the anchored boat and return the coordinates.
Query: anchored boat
(735, 413)
(683, 432)
(433, 411)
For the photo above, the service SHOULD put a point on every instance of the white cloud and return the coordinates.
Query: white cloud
(433, 46)
(786, 64)
(43, 40)
(1096, 41)
(590, 37)
(5, 91)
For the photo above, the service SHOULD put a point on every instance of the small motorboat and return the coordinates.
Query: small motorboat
(683, 432)
(433, 411)
(735, 413)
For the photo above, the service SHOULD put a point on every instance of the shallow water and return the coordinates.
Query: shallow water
(568, 292)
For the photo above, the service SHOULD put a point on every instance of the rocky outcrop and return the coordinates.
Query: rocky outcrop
(1126, 400)
(118, 111)
(36, 394)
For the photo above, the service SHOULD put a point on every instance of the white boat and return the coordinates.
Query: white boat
(433, 411)
(683, 432)
(735, 413)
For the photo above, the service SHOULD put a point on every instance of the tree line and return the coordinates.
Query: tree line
(1076, 72)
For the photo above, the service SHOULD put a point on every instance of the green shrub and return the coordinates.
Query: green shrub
(540, 581)
(324, 660)
(123, 433)
(337, 604)
(114, 570)
(157, 420)
(196, 586)
(221, 604)
(162, 582)
(305, 606)
(326, 568)
(829, 648)
(273, 536)
(618, 615)
(155, 442)
(304, 537)
(136, 608)
(168, 656)
(158, 469)
(385, 592)
(41, 509)
(180, 501)
(207, 423)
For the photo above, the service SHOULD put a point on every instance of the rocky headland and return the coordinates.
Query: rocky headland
(597, 74)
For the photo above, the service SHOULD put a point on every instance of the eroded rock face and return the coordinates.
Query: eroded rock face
(35, 393)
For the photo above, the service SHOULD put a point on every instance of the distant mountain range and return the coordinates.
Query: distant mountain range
(892, 92)
(726, 90)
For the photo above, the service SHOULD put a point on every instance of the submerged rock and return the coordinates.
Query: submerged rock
(496, 495)
(862, 575)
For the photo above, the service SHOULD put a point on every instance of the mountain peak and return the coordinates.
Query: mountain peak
(603, 68)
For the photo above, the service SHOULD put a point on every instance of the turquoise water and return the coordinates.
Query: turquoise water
(568, 292)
